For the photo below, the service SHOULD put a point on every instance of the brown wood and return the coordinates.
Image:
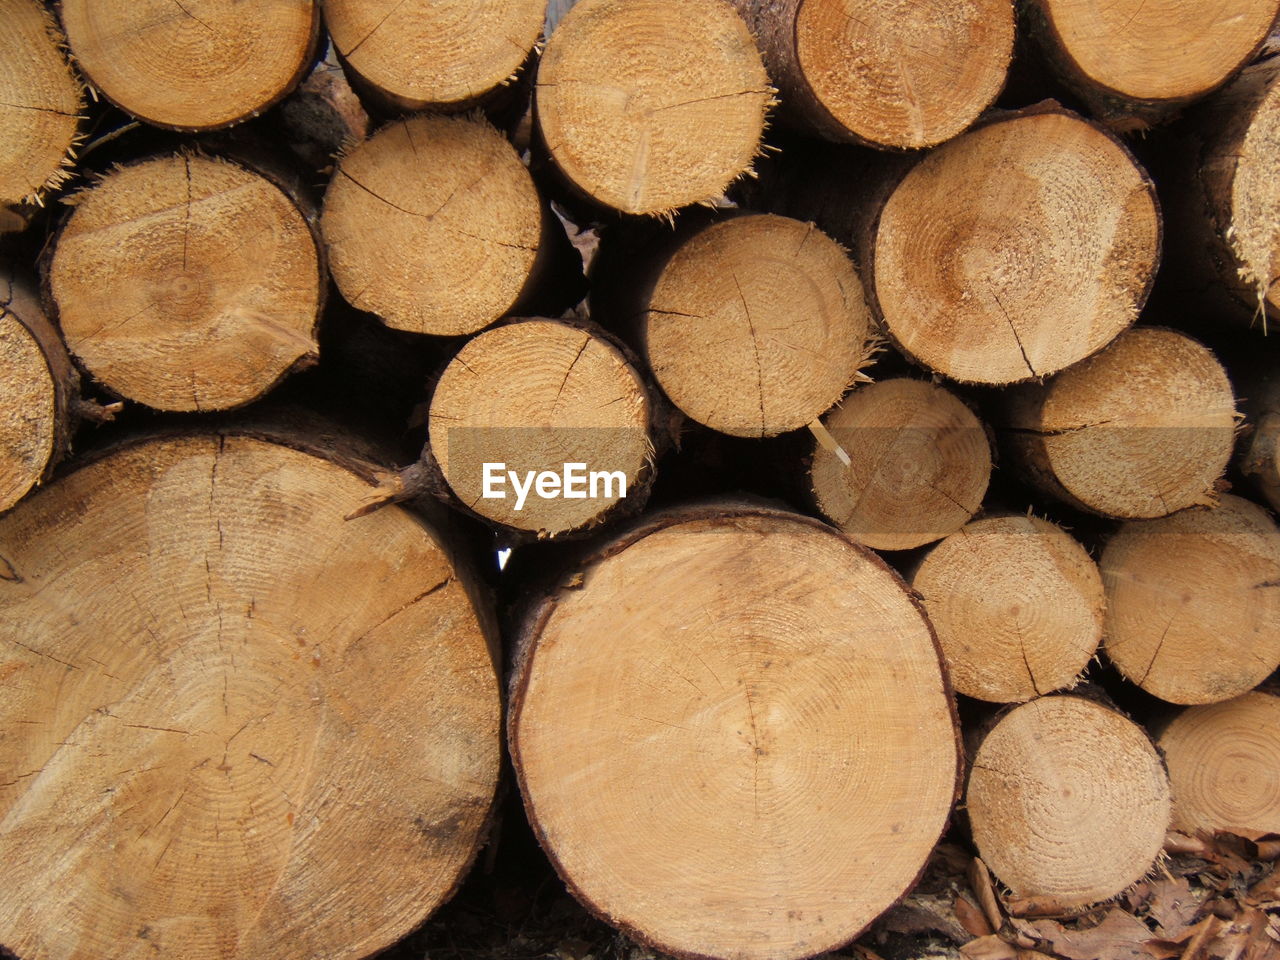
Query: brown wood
(1068, 800)
(1193, 613)
(324, 116)
(240, 726)
(187, 282)
(762, 755)
(882, 73)
(1259, 449)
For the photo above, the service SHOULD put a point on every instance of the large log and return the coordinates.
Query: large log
(882, 73)
(759, 760)
(235, 724)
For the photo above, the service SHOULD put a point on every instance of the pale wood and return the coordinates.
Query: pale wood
(733, 734)
(421, 53)
(1222, 765)
(1193, 612)
(1017, 604)
(1016, 249)
(237, 724)
(40, 102)
(196, 64)
(881, 72)
(651, 105)
(187, 282)
(536, 395)
(1068, 800)
(433, 224)
(919, 464)
(1141, 430)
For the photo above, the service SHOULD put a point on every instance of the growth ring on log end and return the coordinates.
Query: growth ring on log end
(236, 725)
(976, 276)
(186, 282)
(733, 737)
(196, 64)
(651, 105)
(1068, 800)
(433, 224)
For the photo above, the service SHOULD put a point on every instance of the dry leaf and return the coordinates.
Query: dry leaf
(1120, 936)
(988, 948)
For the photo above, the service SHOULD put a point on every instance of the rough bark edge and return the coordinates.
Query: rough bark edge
(533, 623)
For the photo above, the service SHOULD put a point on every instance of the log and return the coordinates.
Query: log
(753, 326)
(187, 282)
(1222, 766)
(434, 224)
(39, 389)
(236, 725)
(884, 74)
(1259, 454)
(1193, 616)
(425, 53)
(324, 115)
(650, 105)
(918, 465)
(533, 397)
(40, 103)
(1142, 430)
(1017, 604)
(1068, 800)
(760, 759)
(1135, 64)
(976, 275)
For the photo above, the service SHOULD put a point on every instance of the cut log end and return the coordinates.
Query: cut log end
(1018, 606)
(919, 464)
(426, 52)
(187, 283)
(757, 325)
(433, 224)
(28, 411)
(1193, 602)
(1068, 800)
(974, 273)
(534, 397)
(193, 65)
(651, 105)
(728, 776)
(239, 726)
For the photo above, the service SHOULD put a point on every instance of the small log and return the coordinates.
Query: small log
(918, 465)
(1222, 765)
(187, 282)
(1068, 800)
(1259, 454)
(763, 755)
(884, 74)
(1017, 604)
(324, 116)
(40, 103)
(1142, 430)
(195, 65)
(651, 105)
(237, 726)
(974, 268)
(1193, 612)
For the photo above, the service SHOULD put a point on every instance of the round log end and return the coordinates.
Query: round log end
(28, 411)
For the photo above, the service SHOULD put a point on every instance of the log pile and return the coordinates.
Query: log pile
(793, 477)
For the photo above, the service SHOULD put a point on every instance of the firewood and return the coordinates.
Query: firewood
(532, 398)
(1193, 612)
(194, 65)
(40, 103)
(1222, 765)
(884, 74)
(324, 115)
(236, 725)
(651, 105)
(1068, 799)
(187, 282)
(918, 465)
(1017, 604)
(975, 275)
(1143, 429)
(759, 760)
(424, 53)
(1259, 454)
